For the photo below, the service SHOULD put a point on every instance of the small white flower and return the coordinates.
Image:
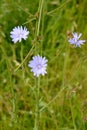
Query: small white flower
(19, 33)
(75, 39)
(38, 65)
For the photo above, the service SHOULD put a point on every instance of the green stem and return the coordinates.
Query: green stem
(39, 20)
(38, 24)
(37, 112)
(25, 58)
(37, 92)
(21, 54)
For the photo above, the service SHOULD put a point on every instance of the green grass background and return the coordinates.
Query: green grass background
(64, 89)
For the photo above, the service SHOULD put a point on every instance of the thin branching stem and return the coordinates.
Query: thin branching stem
(37, 112)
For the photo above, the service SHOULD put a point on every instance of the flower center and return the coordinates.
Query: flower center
(39, 66)
(20, 34)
